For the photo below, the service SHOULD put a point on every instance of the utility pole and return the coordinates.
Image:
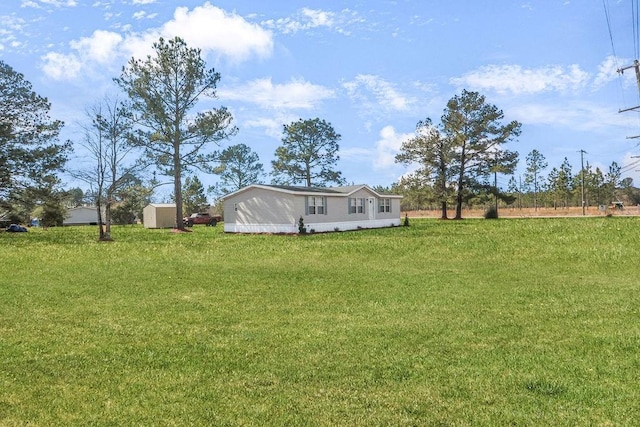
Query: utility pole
(636, 67)
(582, 153)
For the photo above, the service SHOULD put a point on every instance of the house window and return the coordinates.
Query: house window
(316, 205)
(356, 205)
(384, 205)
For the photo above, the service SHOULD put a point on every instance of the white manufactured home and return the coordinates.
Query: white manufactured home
(278, 209)
(82, 215)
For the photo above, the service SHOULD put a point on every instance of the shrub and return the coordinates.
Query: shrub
(491, 213)
(301, 228)
(406, 220)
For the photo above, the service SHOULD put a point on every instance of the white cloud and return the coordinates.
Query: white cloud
(308, 19)
(55, 3)
(9, 25)
(206, 27)
(212, 29)
(383, 155)
(143, 2)
(385, 95)
(61, 67)
(272, 126)
(100, 47)
(295, 94)
(581, 116)
(388, 146)
(607, 71)
(305, 19)
(514, 79)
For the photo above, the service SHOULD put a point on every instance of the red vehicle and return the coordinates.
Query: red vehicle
(201, 218)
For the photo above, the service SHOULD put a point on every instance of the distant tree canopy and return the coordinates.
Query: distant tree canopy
(31, 156)
(239, 166)
(163, 90)
(477, 134)
(194, 198)
(457, 156)
(434, 154)
(308, 154)
(536, 163)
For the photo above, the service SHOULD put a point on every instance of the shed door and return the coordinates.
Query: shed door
(372, 208)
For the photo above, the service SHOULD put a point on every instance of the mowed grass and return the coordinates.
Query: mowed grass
(522, 322)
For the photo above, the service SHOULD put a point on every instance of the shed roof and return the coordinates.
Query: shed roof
(162, 205)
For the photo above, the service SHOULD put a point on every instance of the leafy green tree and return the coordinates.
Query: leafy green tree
(515, 191)
(132, 198)
(629, 191)
(308, 154)
(613, 180)
(563, 184)
(593, 182)
(417, 192)
(552, 179)
(536, 163)
(31, 155)
(596, 185)
(433, 153)
(475, 129)
(194, 198)
(239, 167)
(164, 89)
(75, 197)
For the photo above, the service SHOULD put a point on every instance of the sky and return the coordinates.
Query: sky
(371, 68)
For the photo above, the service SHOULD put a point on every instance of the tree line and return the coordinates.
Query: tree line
(154, 132)
(560, 187)
(152, 125)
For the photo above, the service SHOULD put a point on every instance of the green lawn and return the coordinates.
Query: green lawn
(525, 322)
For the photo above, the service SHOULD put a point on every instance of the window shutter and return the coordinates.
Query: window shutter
(306, 205)
(348, 205)
(324, 201)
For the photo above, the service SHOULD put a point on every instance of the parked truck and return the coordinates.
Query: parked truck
(201, 218)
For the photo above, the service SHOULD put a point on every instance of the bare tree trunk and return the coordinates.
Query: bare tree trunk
(99, 208)
(177, 185)
(444, 210)
(107, 220)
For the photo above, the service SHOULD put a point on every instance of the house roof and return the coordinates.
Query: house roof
(343, 191)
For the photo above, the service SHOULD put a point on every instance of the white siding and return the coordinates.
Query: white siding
(84, 215)
(262, 209)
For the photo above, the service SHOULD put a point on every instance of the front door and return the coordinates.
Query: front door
(372, 208)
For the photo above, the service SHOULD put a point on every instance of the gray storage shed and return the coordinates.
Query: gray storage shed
(159, 215)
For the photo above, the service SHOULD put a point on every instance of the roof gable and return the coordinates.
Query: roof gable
(344, 191)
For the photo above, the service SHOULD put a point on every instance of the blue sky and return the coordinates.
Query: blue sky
(371, 68)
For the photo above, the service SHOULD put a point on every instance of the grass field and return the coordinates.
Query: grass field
(525, 322)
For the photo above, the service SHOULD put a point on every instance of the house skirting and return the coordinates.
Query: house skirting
(312, 227)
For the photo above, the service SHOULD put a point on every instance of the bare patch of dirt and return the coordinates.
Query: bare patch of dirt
(177, 230)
